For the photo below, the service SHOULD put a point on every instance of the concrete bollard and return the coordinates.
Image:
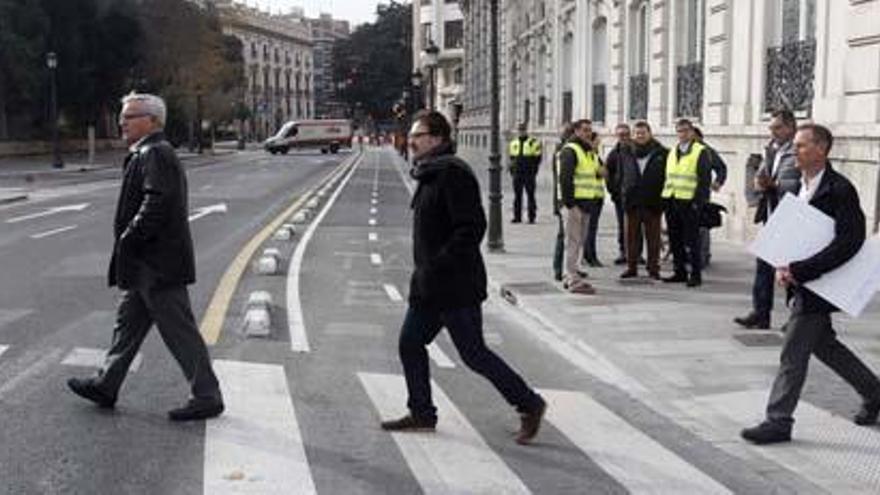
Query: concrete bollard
(300, 217)
(270, 262)
(283, 233)
(313, 203)
(257, 320)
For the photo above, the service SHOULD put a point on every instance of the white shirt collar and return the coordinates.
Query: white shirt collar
(808, 189)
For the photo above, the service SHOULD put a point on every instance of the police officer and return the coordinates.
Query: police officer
(525, 157)
(685, 192)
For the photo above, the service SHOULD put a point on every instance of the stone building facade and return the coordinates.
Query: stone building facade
(279, 65)
(441, 22)
(726, 64)
(326, 31)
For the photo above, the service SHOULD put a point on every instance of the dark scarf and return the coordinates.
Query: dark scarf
(642, 151)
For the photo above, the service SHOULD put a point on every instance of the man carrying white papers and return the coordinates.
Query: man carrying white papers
(804, 252)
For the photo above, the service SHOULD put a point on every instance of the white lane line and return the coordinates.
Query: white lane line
(50, 211)
(89, 357)
(299, 341)
(373, 236)
(375, 258)
(256, 445)
(454, 459)
(372, 221)
(208, 210)
(53, 232)
(393, 293)
(637, 461)
(439, 357)
(827, 450)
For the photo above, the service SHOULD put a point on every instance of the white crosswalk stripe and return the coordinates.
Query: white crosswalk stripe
(828, 450)
(636, 460)
(256, 445)
(455, 459)
(90, 357)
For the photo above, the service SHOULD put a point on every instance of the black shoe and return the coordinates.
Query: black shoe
(629, 274)
(695, 280)
(753, 321)
(86, 388)
(766, 433)
(595, 263)
(197, 409)
(557, 277)
(411, 423)
(582, 274)
(654, 275)
(678, 278)
(530, 422)
(642, 261)
(531, 220)
(868, 414)
(516, 220)
(620, 260)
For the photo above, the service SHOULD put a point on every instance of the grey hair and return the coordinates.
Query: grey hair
(152, 104)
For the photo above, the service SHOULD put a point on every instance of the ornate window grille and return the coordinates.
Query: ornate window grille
(638, 96)
(790, 75)
(689, 90)
(598, 103)
(566, 107)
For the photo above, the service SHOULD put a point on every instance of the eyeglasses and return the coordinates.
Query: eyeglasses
(131, 116)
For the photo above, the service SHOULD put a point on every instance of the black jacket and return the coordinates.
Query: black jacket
(567, 164)
(836, 197)
(448, 226)
(152, 242)
(641, 189)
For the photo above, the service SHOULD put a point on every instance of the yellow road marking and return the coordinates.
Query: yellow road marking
(215, 315)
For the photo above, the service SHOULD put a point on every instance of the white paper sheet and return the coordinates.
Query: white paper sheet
(796, 231)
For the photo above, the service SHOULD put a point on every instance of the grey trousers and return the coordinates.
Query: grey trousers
(576, 222)
(169, 308)
(812, 334)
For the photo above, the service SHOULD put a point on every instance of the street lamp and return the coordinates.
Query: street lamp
(52, 64)
(496, 239)
(430, 56)
(416, 80)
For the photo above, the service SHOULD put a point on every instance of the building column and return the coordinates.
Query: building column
(732, 24)
(618, 74)
(659, 105)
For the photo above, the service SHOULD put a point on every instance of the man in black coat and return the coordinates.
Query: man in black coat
(152, 263)
(613, 184)
(809, 329)
(448, 284)
(643, 173)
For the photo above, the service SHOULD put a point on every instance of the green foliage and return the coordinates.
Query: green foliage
(375, 63)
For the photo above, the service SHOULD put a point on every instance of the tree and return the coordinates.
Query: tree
(375, 62)
(23, 27)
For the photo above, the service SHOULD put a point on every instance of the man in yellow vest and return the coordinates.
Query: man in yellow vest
(525, 157)
(685, 192)
(580, 183)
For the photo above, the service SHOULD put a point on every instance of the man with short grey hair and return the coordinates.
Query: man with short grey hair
(152, 263)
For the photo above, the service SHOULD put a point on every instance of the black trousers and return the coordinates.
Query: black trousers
(559, 249)
(524, 181)
(762, 288)
(812, 334)
(682, 223)
(595, 210)
(620, 214)
(465, 325)
(170, 310)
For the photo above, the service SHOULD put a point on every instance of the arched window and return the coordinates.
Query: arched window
(791, 55)
(691, 15)
(640, 33)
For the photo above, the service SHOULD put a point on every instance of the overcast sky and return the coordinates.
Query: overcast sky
(354, 11)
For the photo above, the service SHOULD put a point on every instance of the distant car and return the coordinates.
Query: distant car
(328, 135)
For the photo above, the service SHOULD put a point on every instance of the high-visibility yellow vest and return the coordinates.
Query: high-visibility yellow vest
(588, 184)
(681, 173)
(531, 147)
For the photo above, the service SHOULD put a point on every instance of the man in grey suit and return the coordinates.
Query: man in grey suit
(777, 176)
(152, 263)
(809, 329)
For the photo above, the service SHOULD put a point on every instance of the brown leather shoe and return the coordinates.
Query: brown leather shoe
(581, 287)
(530, 423)
(411, 423)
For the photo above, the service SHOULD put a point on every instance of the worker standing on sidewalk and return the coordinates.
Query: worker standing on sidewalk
(686, 191)
(525, 158)
(579, 183)
(559, 248)
(809, 329)
(448, 284)
(591, 253)
(621, 151)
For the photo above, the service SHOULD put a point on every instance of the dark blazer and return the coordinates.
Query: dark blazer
(785, 174)
(152, 242)
(642, 189)
(837, 198)
(448, 227)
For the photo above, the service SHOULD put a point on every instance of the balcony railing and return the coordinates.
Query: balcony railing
(790, 74)
(598, 103)
(689, 90)
(638, 96)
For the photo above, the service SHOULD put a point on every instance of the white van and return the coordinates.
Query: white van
(328, 135)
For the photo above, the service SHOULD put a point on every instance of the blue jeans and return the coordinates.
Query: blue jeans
(465, 326)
